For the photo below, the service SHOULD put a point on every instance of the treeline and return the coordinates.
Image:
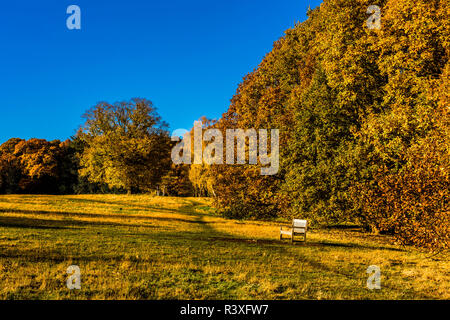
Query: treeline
(364, 123)
(121, 148)
(364, 131)
(37, 166)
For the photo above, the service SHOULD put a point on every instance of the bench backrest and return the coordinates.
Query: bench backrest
(299, 225)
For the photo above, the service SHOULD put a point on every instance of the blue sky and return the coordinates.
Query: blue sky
(186, 56)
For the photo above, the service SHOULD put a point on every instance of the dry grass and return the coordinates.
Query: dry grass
(143, 247)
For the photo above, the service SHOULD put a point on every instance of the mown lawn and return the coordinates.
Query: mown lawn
(143, 247)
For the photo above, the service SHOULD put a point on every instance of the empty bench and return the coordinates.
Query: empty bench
(298, 228)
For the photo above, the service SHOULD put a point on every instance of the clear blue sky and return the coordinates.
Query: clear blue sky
(186, 56)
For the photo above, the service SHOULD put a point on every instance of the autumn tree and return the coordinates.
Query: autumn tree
(36, 166)
(10, 168)
(176, 181)
(127, 145)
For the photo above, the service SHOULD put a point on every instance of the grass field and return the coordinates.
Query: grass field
(143, 247)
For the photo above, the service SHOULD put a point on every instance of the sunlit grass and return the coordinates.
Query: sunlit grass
(143, 247)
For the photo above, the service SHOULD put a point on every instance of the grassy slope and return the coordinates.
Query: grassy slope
(141, 247)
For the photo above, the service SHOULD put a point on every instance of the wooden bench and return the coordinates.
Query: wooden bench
(298, 227)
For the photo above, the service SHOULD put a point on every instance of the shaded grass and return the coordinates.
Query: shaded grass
(143, 247)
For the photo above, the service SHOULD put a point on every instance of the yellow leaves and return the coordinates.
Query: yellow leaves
(38, 157)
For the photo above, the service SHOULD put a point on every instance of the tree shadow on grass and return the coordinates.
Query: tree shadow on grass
(351, 246)
(25, 223)
(190, 212)
(102, 216)
(302, 243)
(47, 255)
(34, 223)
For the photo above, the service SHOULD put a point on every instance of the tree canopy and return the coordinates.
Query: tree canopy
(127, 145)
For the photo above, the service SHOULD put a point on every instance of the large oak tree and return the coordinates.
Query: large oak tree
(127, 145)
